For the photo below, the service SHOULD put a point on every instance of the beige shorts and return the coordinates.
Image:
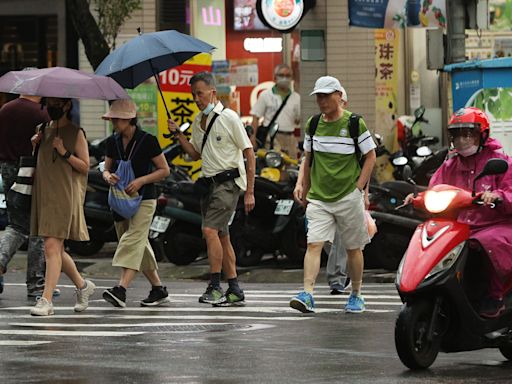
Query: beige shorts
(345, 215)
(218, 206)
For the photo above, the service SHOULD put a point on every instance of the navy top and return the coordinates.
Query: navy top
(142, 154)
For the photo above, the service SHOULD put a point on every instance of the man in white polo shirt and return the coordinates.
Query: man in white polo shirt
(268, 104)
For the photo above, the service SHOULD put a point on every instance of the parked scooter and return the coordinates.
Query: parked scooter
(441, 281)
(176, 228)
(276, 224)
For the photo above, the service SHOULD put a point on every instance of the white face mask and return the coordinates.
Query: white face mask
(283, 81)
(465, 146)
(208, 108)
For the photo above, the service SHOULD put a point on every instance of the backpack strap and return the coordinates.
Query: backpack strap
(353, 127)
(313, 125)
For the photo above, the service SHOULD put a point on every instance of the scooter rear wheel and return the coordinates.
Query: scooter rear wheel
(414, 348)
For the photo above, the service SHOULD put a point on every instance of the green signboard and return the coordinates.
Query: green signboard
(145, 96)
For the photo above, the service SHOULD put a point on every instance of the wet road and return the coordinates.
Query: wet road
(188, 342)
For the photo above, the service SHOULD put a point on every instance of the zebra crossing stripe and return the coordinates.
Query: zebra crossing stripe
(32, 332)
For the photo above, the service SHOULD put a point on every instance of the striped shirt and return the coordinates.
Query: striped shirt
(335, 168)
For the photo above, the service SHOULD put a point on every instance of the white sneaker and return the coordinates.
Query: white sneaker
(42, 308)
(82, 296)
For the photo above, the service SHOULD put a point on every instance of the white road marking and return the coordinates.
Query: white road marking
(22, 343)
(32, 332)
(109, 325)
(156, 317)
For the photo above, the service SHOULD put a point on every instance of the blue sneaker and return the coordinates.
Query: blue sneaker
(1, 284)
(355, 304)
(303, 302)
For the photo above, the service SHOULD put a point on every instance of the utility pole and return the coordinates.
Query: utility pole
(456, 34)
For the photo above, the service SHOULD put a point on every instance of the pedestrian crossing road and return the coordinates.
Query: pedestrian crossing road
(266, 307)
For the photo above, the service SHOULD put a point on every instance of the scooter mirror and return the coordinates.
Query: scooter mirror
(423, 151)
(101, 166)
(272, 132)
(419, 112)
(400, 161)
(407, 174)
(492, 167)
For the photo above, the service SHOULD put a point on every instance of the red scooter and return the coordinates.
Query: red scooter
(441, 282)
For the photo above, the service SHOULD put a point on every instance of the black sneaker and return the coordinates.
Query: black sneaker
(1, 284)
(157, 296)
(115, 296)
(491, 307)
(212, 295)
(231, 299)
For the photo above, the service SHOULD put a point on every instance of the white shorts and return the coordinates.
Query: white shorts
(345, 216)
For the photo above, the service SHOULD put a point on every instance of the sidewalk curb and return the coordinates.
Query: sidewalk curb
(102, 268)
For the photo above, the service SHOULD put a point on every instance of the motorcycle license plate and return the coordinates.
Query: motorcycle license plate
(3, 204)
(283, 207)
(160, 224)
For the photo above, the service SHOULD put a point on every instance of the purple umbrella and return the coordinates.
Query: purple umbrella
(61, 82)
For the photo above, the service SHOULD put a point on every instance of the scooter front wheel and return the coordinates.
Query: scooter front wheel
(506, 350)
(417, 346)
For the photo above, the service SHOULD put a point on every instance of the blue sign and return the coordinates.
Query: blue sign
(367, 13)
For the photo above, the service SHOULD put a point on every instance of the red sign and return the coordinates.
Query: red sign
(177, 79)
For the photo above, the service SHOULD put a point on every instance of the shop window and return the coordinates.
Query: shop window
(312, 45)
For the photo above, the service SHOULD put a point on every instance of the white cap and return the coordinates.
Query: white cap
(327, 84)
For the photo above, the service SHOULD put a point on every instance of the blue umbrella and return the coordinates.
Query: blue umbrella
(148, 54)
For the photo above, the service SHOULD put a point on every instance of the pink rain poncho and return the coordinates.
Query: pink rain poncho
(491, 227)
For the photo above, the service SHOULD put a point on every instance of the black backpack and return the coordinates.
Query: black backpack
(353, 126)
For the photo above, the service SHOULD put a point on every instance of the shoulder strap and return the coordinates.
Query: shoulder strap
(210, 125)
(353, 126)
(276, 115)
(313, 125)
(136, 146)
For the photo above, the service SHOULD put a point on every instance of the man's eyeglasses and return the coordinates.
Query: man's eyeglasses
(284, 75)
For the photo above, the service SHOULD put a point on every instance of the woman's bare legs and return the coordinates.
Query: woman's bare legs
(53, 256)
(58, 260)
(69, 268)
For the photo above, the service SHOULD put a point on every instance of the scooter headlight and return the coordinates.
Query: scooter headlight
(447, 261)
(273, 159)
(436, 202)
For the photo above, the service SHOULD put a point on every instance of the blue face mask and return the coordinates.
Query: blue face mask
(208, 108)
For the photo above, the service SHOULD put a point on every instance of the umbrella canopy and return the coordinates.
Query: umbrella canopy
(61, 82)
(148, 54)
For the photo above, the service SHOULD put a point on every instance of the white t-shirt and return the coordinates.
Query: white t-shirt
(224, 145)
(269, 102)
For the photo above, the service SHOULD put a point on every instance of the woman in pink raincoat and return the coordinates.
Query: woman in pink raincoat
(468, 130)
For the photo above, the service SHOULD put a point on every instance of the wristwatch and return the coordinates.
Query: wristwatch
(66, 155)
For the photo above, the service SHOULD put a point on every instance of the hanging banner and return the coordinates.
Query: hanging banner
(386, 99)
(176, 90)
(397, 13)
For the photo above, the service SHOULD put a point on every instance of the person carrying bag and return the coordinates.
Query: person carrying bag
(262, 132)
(119, 200)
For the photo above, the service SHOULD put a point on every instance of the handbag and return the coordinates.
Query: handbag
(121, 202)
(262, 132)
(20, 194)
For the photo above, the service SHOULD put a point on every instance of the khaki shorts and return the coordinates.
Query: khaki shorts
(345, 215)
(218, 206)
